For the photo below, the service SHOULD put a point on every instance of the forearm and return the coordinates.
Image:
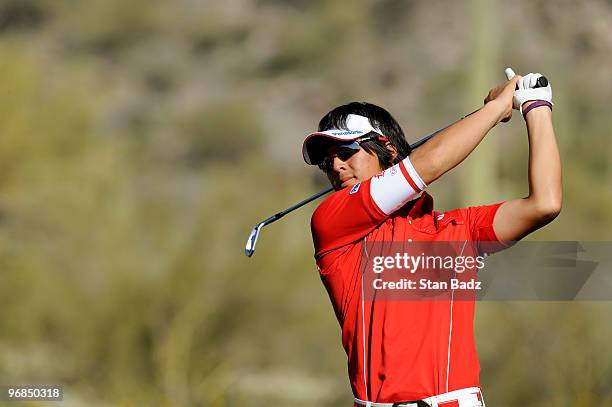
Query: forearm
(545, 189)
(518, 217)
(453, 144)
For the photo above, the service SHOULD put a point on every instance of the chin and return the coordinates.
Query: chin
(348, 183)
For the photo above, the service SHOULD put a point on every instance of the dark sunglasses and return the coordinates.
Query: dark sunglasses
(343, 151)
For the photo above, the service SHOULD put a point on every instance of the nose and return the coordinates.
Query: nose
(338, 164)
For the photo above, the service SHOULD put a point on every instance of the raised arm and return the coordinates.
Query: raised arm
(517, 218)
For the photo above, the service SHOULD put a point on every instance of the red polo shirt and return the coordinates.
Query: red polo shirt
(398, 350)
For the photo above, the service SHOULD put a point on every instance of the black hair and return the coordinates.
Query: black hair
(379, 118)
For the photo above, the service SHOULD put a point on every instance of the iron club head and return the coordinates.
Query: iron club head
(252, 240)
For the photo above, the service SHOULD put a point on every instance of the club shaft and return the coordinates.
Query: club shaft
(282, 213)
(542, 82)
(319, 194)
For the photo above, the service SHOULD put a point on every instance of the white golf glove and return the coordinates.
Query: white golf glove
(526, 90)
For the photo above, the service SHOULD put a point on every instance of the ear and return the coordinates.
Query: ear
(392, 149)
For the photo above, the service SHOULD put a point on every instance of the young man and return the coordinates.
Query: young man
(420, 353)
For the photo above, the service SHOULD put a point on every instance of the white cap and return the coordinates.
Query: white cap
(357, 126)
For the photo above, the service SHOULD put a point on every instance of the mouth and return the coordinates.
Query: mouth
(345, 182)
(340, 181)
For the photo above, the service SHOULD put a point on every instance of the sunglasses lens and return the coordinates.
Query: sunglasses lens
(342, 151)
(346, 152)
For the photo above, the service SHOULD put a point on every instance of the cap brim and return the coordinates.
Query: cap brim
(312, 144)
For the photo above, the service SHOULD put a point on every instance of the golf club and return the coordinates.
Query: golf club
(252, 240)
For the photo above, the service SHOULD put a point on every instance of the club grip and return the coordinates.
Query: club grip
(542, 82)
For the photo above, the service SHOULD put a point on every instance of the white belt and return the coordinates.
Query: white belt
(467, 397)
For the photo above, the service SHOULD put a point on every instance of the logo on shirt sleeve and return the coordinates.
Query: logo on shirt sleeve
(391, 171)
(355, 188)
(380, 174)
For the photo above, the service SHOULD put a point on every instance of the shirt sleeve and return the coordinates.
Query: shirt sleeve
(480, 223)
(351, 213)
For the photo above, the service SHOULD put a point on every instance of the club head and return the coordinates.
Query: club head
(252, 240)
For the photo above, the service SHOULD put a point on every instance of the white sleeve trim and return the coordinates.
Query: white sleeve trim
(414, 174)
(391, 189)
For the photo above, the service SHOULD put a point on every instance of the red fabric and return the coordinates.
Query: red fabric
(406, 341)
(408, 177)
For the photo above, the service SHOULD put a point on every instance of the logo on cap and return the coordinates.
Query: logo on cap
(345, 133)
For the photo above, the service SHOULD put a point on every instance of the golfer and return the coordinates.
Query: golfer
(420, 353)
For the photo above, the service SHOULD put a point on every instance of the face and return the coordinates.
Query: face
(360, 166)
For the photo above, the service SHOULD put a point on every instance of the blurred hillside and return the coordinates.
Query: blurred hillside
(141, 140)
